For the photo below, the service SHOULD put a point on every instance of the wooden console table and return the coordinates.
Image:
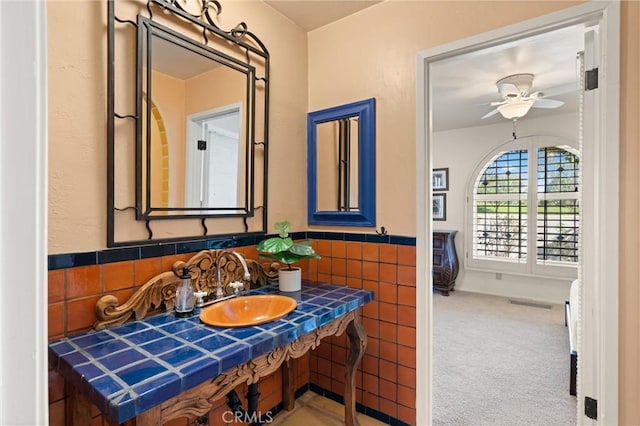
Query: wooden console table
(445, 261)
(150, 371)
(198, 401)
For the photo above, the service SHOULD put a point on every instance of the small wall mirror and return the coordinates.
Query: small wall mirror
(341, 165)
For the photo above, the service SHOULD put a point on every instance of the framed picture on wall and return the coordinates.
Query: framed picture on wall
(440, 179)
(439, 206)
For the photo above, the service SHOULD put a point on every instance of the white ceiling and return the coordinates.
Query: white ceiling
(463, 86)
(312, 14)
(178, 62)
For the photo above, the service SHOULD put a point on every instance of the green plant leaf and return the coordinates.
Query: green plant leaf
(275, 245)
(304, 249)
(283, 249)
(283, 228)
(282, 257)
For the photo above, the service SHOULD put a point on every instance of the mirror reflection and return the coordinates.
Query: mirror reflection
(194, 134)
(337, 152)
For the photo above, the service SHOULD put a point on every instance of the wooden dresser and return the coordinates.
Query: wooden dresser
(445, 261)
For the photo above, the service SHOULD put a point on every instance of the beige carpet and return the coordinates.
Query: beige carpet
(498, 363)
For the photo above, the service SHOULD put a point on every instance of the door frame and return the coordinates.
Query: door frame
(193, 170)
(598, 362)
(23, 218)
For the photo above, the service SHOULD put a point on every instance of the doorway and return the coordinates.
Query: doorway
(598, 343)
(214, 158)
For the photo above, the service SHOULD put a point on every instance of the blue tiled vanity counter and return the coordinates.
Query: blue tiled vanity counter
(131, 368)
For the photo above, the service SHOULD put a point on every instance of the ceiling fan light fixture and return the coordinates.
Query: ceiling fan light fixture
(513, 110)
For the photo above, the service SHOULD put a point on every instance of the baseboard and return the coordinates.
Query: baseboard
(506, 296)
(378, 415)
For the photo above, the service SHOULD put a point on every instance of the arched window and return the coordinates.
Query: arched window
(524, 214)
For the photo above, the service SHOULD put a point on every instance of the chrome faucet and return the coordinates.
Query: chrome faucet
(236, 285)
(247, 275)
(219, 291)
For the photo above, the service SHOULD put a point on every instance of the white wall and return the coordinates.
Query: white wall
(461, 150)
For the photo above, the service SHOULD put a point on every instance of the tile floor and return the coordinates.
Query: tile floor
(315, 410)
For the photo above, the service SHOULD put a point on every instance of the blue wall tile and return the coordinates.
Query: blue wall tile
(157, 251)
(71, 260)
(118, 255)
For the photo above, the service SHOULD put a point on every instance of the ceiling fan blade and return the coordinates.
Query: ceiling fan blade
(506, 89)
(496, 103)
(489, 114)
(547, 103)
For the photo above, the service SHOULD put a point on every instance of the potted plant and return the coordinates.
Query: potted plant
(284, 250)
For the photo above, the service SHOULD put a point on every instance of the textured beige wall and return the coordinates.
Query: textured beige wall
(327, 165)
(77, 126)
(214, 89)
(169, 96)
(629, 296)
(77, 118)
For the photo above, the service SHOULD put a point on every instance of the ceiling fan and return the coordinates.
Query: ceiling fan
(517, 101)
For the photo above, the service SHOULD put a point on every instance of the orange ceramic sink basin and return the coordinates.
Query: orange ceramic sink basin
(244, 311)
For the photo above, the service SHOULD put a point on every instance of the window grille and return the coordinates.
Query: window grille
(501, 217)
(507, 174)
(503, 207)
(501, 229)
(558, 214)
(558, 170)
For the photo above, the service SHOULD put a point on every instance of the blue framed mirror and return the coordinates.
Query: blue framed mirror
(341, 163)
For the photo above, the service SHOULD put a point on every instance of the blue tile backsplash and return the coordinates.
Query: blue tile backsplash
(71, 260)
(130, 368)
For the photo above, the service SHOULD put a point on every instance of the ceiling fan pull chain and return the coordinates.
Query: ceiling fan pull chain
(514, 129)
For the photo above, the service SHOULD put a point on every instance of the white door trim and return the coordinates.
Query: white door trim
(602, 367)
(195, 164)
(23, 216)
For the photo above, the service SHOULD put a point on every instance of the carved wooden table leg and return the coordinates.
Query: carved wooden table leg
(151, 417)
(108, 422)
(288, 385)
(79, 407)
(357, 344)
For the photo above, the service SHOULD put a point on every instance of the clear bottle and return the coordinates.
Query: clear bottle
(185, 297)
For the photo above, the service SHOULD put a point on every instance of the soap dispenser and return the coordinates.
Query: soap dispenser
(185, 296)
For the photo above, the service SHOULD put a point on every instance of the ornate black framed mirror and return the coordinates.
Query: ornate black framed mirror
(199, 135)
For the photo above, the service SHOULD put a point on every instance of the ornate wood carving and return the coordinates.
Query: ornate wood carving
(357, 344)
(159, 292)
(199, 400)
